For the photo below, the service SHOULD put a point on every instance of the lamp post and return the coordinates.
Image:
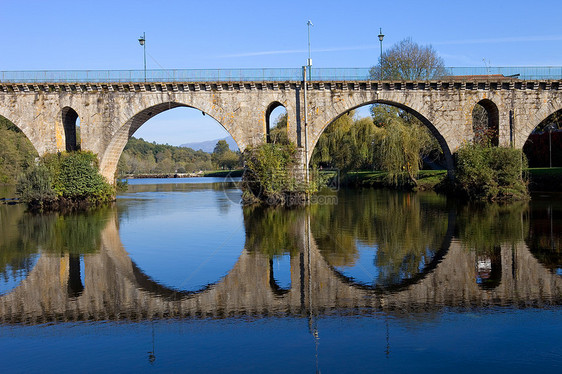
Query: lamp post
(309, 61)
(381, 37)
(142, 42)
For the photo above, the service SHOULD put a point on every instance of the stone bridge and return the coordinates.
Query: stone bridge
(115, 288)
(111, 112)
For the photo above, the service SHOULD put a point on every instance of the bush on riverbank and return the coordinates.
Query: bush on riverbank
(64, 180)
(272, 176)
(490, 173)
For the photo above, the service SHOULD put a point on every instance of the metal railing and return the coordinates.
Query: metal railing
(254, 75)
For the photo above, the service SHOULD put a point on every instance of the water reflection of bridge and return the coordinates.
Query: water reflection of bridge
(114, 288)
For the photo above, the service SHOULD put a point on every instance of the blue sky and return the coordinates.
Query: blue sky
(77, 35)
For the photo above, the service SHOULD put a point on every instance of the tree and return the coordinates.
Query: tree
(220, 148)
(278, 134)
(407, 60)
(223, 157)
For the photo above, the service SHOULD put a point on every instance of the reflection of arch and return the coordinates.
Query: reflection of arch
(428, 269)
(278, 290)
(110, 158)
(69, 117)
(434, 131)
(75, 285)
(274, 105)
(148, 284)
(493, 120)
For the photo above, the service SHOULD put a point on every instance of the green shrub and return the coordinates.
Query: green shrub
(65, 179)
(35, 187)
(490, 173)
(271, 176)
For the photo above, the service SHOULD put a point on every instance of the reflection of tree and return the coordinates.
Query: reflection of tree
(405, 229)
(273, 230)
(485, 227)
(75, 233)
(15, 253)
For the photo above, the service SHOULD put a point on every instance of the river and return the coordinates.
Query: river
(177, 276)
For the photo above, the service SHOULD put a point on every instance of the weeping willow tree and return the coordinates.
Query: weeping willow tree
(392, 140)
(400, 151)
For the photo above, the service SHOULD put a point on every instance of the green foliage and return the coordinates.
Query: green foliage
(401, 150)
(142, 157)
(278, 134)
(393, 141)
(65, 179)
(15, 251)
(267, 170)
(490, 173)
(483, 227)
(224, 158)
(273, 231)
(35, 187)
(404, 230)
(271, 176)
(16, 152)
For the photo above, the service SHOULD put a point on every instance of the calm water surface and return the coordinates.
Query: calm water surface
(179, 277)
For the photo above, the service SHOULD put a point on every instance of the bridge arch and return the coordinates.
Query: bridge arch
(110, 158)
(69, 123)
(334, 114)
(268, 120)
(486, 122)
(549, 108)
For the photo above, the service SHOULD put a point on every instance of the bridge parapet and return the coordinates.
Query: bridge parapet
(472, 83)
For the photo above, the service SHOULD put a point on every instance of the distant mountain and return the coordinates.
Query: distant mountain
(209, 145)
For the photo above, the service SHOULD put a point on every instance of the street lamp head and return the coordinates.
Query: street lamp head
(381, 35)
(142, 40)
(309, 23)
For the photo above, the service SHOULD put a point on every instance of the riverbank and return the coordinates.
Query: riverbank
(540, 179)
(215, 173)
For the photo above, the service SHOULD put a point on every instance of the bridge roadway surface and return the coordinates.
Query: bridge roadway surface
(116, 289)
(110, 113)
